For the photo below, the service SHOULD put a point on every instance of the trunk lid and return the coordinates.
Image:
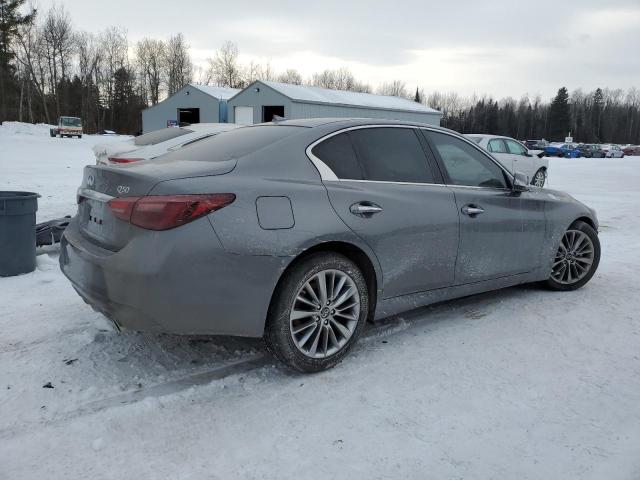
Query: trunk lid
(102, 183)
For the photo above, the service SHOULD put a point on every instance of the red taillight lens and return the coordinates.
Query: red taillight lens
(123, 207)
(162, 212)
(124, 160)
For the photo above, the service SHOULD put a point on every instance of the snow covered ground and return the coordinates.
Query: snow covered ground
(522, 383)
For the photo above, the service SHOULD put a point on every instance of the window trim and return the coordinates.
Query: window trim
(327, 175)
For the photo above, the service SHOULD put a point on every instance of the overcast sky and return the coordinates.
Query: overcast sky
(497, 47)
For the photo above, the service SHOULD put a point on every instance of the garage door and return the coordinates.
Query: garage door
(243, 115)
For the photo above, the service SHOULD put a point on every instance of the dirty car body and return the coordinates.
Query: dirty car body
(217, 274)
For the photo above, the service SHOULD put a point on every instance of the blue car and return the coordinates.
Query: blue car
(566, 150)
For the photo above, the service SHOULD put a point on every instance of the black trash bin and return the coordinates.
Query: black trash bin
(17, 232)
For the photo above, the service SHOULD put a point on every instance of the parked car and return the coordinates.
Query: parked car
(612, 151)
(567, 150)
(515, 157)
(67, 127)
(536, 144)
(300, 231)
(153, 144)
(590, 150)
(631, 150)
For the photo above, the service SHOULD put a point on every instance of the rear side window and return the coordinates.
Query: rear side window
(497, 146)
(158, 136)
(391, 155)
(338, 154)
(465, 165)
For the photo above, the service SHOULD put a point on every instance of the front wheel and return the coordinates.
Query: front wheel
(539, 178)
(577, 258)
(317, 313)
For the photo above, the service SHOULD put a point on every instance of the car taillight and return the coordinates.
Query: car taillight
(124, 160)
(123, 207)
(162, 212)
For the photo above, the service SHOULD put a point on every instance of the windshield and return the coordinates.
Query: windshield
(70, 122)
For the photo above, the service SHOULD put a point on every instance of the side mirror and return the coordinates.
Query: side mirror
(520, 182)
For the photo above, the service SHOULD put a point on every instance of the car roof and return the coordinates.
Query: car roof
(486, 135)
(353, 122)
(211, 127)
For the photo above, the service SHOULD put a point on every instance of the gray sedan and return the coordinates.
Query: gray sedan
(300, 231)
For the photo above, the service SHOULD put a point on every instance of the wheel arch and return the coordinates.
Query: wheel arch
(588, 220)
(354, 253)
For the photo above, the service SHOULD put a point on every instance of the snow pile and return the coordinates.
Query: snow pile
(521, 383)
(21, 128)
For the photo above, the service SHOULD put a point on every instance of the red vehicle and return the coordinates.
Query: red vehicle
(632, 150)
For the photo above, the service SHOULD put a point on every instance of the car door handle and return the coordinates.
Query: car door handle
(472, 210)
(365, 208)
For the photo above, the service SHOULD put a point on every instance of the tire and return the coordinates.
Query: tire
(52, 133)
(79, 136)
(561, 281)
(291, 348)
(535, 180)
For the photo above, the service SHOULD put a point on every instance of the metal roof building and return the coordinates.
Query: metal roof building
(262, 100)
(193, 103)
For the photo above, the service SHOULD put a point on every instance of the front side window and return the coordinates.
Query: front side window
(497, 146)
(465, 165)
(515, 148)
(338, 154)
(391, 155)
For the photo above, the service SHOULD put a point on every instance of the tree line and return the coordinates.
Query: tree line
(48, 69)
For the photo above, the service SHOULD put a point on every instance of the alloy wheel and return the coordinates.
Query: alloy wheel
(539, 178)
(574, 258)
(325, 313)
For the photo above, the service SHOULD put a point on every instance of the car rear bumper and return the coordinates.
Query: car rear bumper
(177, 281)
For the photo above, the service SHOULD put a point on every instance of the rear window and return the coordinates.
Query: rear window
(235, 143)
(159, 136)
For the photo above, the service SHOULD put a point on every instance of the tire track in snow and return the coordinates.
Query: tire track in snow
(381, 329)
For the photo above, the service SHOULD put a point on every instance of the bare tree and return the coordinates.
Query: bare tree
(150, 57)
(90, 66)
(114, 51)
(341, 79)
(30, 54)
(178, 65)
(58, 47)
(224, 68)
(396, 88)
(290, 76)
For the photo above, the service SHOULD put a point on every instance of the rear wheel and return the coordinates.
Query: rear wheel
(317, 313)
(577, 258)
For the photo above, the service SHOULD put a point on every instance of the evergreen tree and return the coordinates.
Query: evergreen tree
(596, 113)
(559, 116)
(417, 97)
(10, 20)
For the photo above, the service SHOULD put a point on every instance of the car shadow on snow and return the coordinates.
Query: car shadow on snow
(131, 360)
